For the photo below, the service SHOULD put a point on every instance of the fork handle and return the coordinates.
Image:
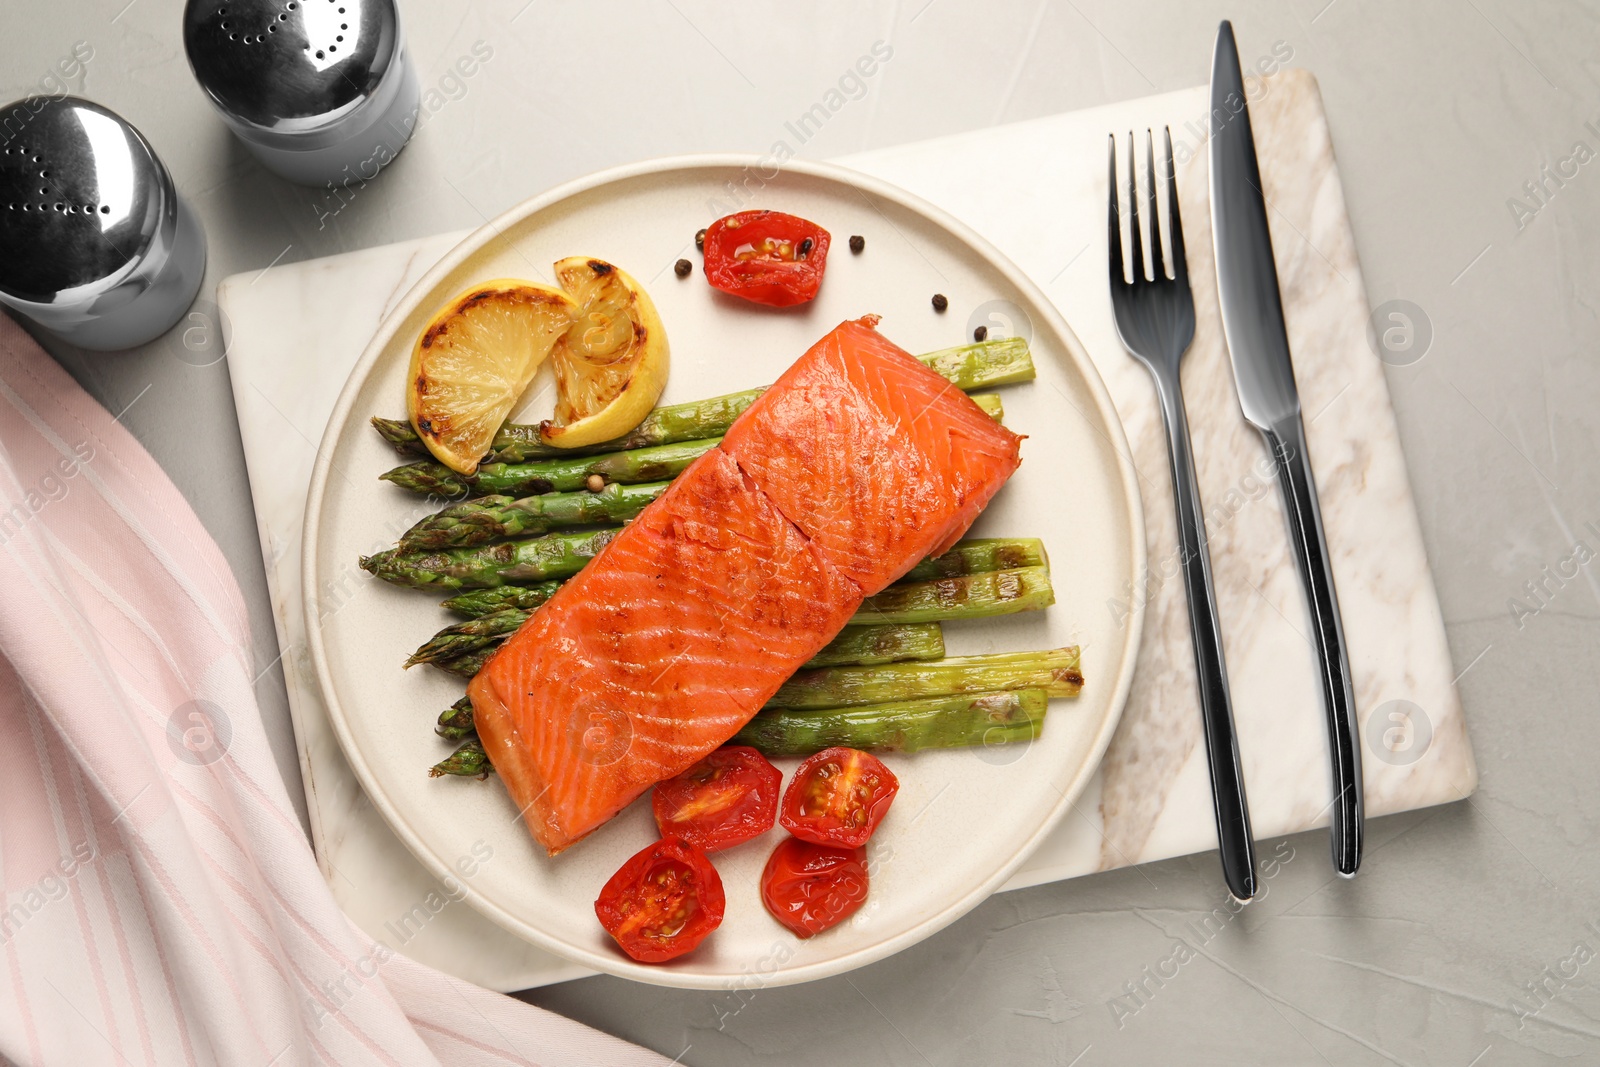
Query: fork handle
(1216, 706)
(1287, 439)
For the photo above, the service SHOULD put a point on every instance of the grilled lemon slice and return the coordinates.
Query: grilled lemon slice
(612, 363)
(475, 359)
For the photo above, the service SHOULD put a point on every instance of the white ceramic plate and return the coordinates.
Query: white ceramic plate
(964, 819)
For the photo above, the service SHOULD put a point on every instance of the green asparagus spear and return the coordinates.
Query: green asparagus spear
(964, 596)
(564, 554)
(562, 474)
(519, 443)
(980, 364)
(474, 635)
(468, 664)
(470, 759)
(455, 722)
(898, 726)
(902, 725)
(865, 645)
(476, 603)
(403, 435)
(1002, 361)
(557, 555)
(508, 475)
(979, 554)
(855, 645)
(663, 426)
(992, 405)
(1055, 671)
(970, 596)
(500, 518)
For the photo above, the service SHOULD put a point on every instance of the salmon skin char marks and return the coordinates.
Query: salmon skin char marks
(857, 464)
(878, 459)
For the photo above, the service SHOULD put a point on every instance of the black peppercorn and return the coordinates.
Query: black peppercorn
(682, 268)
(805, 249)
(700, 240)
(939, 302)
(857, 243)
(980, 333)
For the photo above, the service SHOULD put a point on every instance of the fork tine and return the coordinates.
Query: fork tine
(1158, 269)
(1180, 263)
(1136, 243)
(1114, 242)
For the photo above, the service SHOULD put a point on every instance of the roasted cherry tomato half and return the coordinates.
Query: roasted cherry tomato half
(724, 800)
(663, 902)
(838, 797)
(809, 888)
(766, 257)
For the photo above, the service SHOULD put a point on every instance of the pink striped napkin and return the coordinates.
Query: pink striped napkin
(161, 904)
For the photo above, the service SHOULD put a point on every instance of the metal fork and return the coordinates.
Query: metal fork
(1155, 319)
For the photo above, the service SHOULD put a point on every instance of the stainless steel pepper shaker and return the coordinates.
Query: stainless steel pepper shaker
(98, 246)
(321, 91)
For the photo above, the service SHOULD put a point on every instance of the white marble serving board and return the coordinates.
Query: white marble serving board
(295, 331)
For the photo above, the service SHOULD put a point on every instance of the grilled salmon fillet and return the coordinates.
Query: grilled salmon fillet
(878, 459)
(859, 462)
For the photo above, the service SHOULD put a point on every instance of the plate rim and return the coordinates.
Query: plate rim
(494, 229)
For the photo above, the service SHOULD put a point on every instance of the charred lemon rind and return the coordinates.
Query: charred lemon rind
(611, 365)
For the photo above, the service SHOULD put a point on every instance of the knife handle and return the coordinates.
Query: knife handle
(1287, 439)
(1216, 706)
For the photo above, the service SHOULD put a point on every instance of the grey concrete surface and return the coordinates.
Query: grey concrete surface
(1471, 937)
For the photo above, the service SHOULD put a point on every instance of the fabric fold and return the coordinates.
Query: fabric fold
(161, 903)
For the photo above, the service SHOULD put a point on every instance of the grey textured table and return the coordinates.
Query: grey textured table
(1469, 937)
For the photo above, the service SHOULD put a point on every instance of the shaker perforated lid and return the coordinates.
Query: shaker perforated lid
(290, 65)
(81, 196)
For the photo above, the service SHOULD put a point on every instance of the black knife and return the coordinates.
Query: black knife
(1258, 344)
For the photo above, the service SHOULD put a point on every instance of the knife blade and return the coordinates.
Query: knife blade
(1263, 371)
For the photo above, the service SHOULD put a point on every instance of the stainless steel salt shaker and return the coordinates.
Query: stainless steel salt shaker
(321, 91)
(98, 247)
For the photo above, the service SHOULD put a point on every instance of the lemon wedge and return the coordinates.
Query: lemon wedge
(474, 360)
(612, 363)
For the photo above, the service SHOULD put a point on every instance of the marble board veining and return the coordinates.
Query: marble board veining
(295, 332)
